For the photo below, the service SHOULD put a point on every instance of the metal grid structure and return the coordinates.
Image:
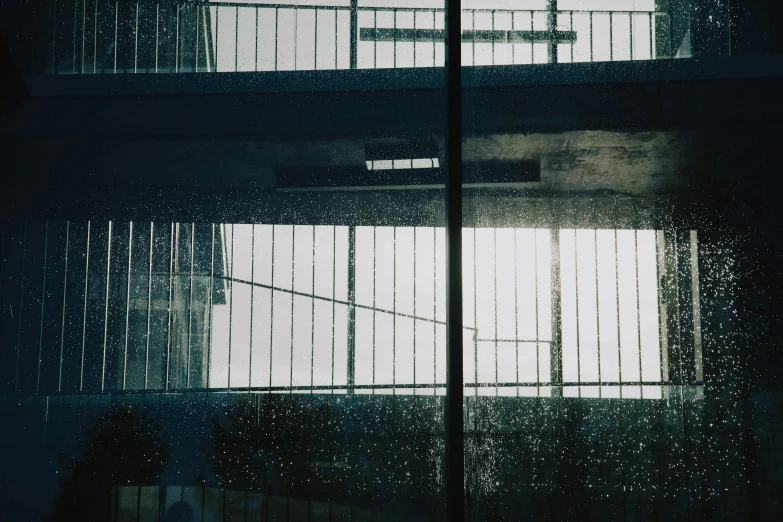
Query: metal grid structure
(100, 307)
(102, 36)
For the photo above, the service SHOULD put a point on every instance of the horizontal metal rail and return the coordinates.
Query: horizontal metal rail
(338, 387)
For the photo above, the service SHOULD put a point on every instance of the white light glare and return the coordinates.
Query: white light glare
(403, 164)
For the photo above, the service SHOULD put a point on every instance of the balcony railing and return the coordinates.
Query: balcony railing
(95, 36)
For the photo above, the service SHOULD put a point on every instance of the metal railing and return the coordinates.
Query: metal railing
(94, 36)
(110, 307)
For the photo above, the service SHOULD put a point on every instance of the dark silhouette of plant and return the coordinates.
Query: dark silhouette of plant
(123, 447)
(269, 444)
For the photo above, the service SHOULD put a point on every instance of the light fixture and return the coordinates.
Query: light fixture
(505, 173)
(401, 164)
(417, 153)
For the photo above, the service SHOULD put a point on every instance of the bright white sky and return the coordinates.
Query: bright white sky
(400, 273)
(244, 37)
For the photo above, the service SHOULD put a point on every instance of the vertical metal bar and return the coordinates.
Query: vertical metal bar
(84, 23)
(149, 307)
(230, 262)
(556, 352)
(168, 328)
(576, 292)
(611, 38)
(95, 40)
(697, 346)
(312, 315)
(136, 42)
(116, 20)
(334, 294)
(255, 31)
(236, 41)
(354, 28)
(375, 41)
(591, 36)
(252, 299)
(473, 42)
(190, 303)
(293, 287)
(661, 284)
(638, 307)
(65, 294)
(630, 32)
(296, 37)
(597, 311)
(106, 309)
(414, 65)
(531, 42)
(535, 278)
(394, 296)
(394, 41)
(205, 42)
(455, 470)
(516, 306)
(351, 308)
(433, 38)
(43, 303)
(138, 503)
(495, 292)
(414, 288)
(374, 292)
(435, 303)
(75, 17)
(315, 44)
(571, 27)
(209, 304)
(176, 43)
(652, 41)
(277, 33)
(617, 296)
(513, 62)
(217, 37)
(475, 315)
(54, 38)
(127, 305)
(272, 307)
(157, 33)
(492, 14)
(551, 27)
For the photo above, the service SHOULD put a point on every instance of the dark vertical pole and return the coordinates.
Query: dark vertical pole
(551, 27)
(354, 31)
(455, 467)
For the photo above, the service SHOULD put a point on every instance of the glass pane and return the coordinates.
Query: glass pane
(589, 343)
(223, 270)
(250, 324)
